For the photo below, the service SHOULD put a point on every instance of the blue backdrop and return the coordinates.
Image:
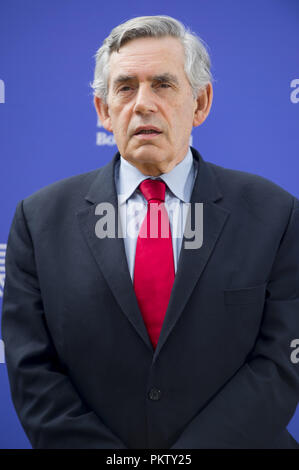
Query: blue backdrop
(49, 129)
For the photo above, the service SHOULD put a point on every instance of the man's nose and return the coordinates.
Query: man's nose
(145, 100)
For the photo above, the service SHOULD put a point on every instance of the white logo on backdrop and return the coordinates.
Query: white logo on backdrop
(103, 138)
(295, 93)
(2, 267)
(2, 358)
(2, 91)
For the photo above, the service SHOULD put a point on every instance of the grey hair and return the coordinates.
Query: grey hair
(197, 60)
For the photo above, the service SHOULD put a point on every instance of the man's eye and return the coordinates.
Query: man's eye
(164, 85)
(125, 88)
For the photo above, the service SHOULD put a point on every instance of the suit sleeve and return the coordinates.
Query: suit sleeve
(47, 404)
(254, 407)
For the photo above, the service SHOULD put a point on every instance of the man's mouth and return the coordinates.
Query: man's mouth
(150, 131)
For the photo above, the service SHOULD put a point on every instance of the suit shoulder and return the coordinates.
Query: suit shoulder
(73, 185)
(67, 191)
(251, 187)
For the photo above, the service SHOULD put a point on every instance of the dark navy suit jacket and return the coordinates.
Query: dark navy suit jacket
(82, 370)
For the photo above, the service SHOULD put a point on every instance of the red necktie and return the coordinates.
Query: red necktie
(154, 265)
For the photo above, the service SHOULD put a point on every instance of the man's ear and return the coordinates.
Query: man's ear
(204, 103)
(103, 113)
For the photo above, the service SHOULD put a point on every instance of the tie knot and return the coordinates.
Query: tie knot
(153, 189)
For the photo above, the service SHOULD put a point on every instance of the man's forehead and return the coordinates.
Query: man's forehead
(150, 56)
(148, 46)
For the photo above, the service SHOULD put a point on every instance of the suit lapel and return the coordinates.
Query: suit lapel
(193, 261)
(110, 253)
(111, 257)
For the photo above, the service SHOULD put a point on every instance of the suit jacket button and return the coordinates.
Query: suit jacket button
(154, 394)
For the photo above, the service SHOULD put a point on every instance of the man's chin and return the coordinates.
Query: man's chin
(148, 152)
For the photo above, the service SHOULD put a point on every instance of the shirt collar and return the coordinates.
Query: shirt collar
(179, 180)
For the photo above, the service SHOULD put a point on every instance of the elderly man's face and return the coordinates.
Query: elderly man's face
(150, 107)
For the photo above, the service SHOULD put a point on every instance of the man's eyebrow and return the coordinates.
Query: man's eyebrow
(164, 77)
(122, 79)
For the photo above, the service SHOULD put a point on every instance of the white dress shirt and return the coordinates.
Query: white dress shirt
(132, 205)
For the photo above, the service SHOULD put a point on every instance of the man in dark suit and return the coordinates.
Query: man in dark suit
(148, 342)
